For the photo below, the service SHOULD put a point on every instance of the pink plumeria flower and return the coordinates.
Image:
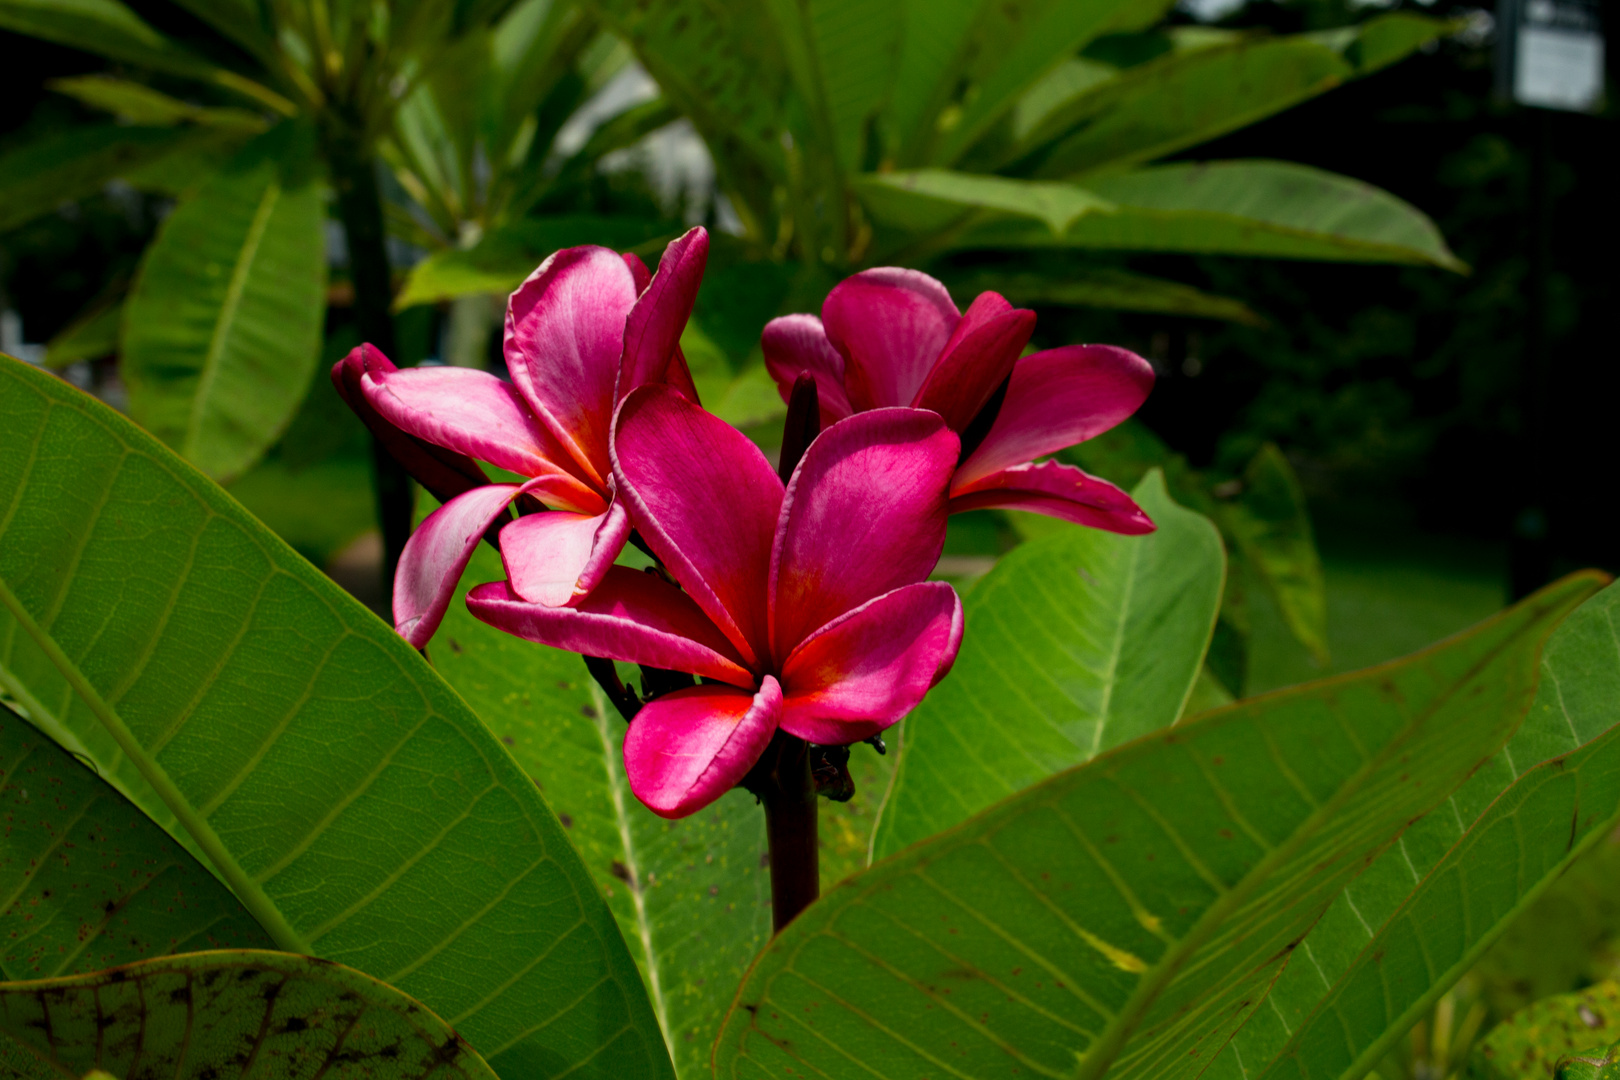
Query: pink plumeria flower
(804, 608)
(890, 337)
(585, 329)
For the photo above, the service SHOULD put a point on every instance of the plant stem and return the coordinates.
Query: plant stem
(788, 793)
(354, 175)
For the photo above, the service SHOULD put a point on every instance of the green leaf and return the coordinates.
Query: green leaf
(692, 896)
(230, 1015)
(927, 200)
(1431, 905)
(67, 165)
(1075, 644)
(500, 261)
(1526, 1045)
(1268, 208)
(1272, 527)
(140, 104)
(88, 337)
(1117, 289)
(1127, 916)
(223, 326)
(344, 792)
(90, 882)
(106, 27)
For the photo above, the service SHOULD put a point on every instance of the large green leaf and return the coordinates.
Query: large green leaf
(692, 896)
(1128, 915)
(227, 1016)
(1462, 872)
(1118, 289)
(1075, 644)
(137, 103)
(344, 792)
(1272, 527)
(67, 165)
(931, 200)
(91, 882)
(223, 326)
(1528, 1044)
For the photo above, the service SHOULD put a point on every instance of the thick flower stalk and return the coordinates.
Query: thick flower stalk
(587, 328)
(892, 337)
(802, 607)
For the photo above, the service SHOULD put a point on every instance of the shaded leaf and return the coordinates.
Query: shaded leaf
(1117, 289)
(1272, 527)
(106, 27)
(138, 103)
(91, 336)
(66, 165)
(1126, 916)
(229, 1015)
(223, 325)
(347, 796)
(90, 881)
(1075, 644)
(926, 200)
(841, 54)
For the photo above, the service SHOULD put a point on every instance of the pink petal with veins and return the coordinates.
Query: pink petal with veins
(706, 501)
(1056, 490)
(891, 326)
(797, 343)
(631, 615)
(980, 356)
(564, 337)
(437, 552)
(865, 670)
(864, 513)
(556, 558)
(686, 749)
(653, 329)
(1058, 398)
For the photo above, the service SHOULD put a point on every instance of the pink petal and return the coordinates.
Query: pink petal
(638, 271)
(631, 615)
(862, 672)
(679, 376)
(980, 356)
(1058, 398)
(686, 749)
(653, 329)
(564, 336)
(1056, 490)
(470, 412)
(891, 326)
(437, 552)
(556, 558)
(706, 501)
(795, 343)
(864, 513)
(443, 472)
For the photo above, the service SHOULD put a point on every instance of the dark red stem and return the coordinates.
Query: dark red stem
(788, 792)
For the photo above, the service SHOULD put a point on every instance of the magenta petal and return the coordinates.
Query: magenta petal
(556, 558)
(864, 513)
(653, 329)
(891, 326)
(443, 472)
(437, 553)
(860, 673)
(470, 412)
(977, 361)
(1056, 490)
(638, 271)
(564, 336)
(706, 501)
(686, 749)
(631, 615)
(797, 343)
(1058, 398)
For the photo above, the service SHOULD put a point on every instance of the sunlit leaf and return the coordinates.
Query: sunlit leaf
(1075, 644)
(347, 796)
(138, 103)
(230, 1015)
(926, 200)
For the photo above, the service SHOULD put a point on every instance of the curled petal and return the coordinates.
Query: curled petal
(443, 472)
(631, 615)
(706, 501)
(653, 329)
(1056, 490)
(470, 412)
(891, 326)
(436, 554)
(556, 558)
(980, 356)
(796, 343)
(864, 513)
(564, 336)
(1058, 398)
(686, 749)
(865, 670)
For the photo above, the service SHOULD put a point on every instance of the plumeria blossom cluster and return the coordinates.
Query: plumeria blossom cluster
(790, 600)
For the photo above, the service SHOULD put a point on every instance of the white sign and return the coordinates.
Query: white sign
(1558, 59)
